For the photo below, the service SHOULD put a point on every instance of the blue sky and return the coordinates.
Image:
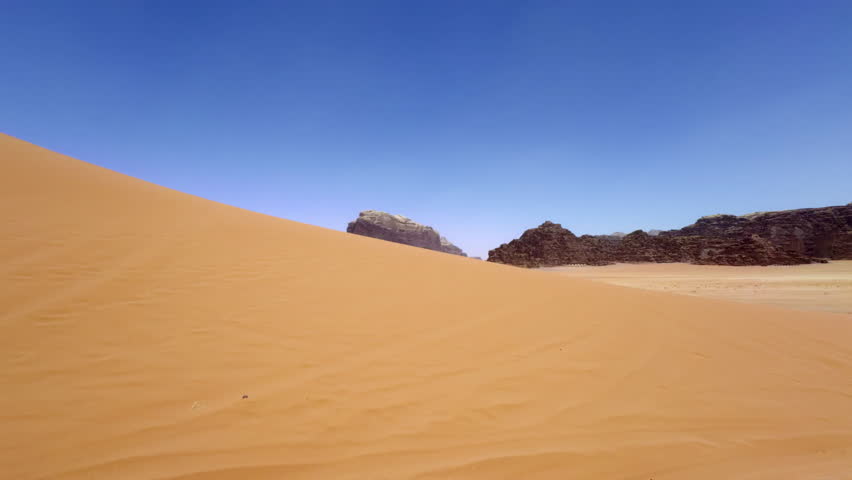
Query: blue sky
(479, 118)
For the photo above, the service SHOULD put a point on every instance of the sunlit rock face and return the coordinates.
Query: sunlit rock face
(400, 229)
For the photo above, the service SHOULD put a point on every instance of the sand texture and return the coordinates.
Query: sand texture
(135, 318)
(817, 286)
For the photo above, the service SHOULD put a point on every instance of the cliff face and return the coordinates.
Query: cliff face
(448, 247)
(814, 232)
(552, 245)
(767, 238)
(548, 245)
(400, 229)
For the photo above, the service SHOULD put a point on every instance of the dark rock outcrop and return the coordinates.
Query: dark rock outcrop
(552, 245)
(814, 232)
(767, 238)
(400, 229)
(748, 250)
(545, 246)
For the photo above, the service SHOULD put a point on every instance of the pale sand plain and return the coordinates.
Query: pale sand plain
(135, 318)
(817, 286)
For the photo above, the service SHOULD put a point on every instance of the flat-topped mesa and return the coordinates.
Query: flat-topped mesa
(400, 229)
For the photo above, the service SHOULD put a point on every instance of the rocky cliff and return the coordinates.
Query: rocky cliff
(400, 229)
(767, 238)
(448, 247)
(746, 250)
(814, 232)
(551, 245)
(548, 245)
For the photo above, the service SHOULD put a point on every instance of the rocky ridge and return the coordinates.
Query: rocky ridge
(766, 238)
(400, 229)
(814, 232)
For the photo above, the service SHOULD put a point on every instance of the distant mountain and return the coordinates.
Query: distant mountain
(815, 232)
(400, 229)
(764, 238)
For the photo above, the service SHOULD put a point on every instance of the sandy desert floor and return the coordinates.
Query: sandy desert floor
(826, 287)
(136, 318)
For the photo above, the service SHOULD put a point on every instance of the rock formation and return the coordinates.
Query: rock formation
(814, 232)
(448, 247)
(546, 246)
(551, 245)
(747, 250)
(766, 238)
(400, 229)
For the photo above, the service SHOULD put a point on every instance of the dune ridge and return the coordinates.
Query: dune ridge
(136, 318)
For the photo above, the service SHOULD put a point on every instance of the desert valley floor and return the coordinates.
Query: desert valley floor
(817, 287)
(151, 334)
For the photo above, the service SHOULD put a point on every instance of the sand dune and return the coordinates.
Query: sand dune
(135, 318)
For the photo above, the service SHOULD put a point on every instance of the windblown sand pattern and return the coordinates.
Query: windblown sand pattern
(136, 318)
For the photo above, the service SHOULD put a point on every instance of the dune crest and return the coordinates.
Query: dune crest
(136, 318)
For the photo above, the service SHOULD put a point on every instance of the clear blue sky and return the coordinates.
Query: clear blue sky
(481, 118)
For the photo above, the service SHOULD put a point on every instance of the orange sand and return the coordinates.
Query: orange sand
(136, 317)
